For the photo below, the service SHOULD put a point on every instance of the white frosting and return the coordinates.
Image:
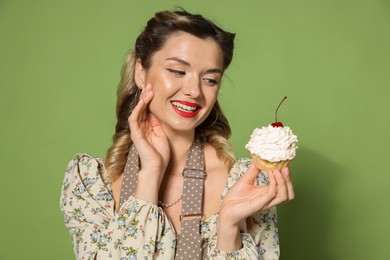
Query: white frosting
(273, 144)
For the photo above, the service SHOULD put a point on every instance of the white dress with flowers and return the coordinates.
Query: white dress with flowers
(140, 229)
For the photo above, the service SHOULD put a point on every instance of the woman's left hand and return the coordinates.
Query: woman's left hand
(245, 198)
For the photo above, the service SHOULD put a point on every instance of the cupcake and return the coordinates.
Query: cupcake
(272, 147)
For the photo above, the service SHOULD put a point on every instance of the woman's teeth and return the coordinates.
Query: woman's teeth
(183, 107)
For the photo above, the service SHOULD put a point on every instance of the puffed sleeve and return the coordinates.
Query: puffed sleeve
(140, 229)
(260, 239)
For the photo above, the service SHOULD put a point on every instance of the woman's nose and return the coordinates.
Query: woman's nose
(192, 88)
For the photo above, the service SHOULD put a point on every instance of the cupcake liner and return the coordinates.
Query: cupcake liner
(265, 165)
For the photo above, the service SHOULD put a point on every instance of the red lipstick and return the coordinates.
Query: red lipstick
(185, 108)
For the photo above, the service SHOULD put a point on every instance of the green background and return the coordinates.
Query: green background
(59, 68)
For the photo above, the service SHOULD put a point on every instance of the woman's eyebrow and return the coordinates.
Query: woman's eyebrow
(180, 61)
(189, 65)
(214, 71)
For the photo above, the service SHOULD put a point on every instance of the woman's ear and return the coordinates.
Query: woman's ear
(139, 74)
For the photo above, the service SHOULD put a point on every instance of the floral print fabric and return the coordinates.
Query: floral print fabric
(140, 229)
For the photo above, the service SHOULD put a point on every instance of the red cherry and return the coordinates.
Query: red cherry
(278, 124)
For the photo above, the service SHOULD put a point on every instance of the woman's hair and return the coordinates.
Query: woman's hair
(215, 129)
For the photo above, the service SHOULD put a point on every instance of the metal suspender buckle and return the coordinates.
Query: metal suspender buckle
(191, 216)
(194, 173)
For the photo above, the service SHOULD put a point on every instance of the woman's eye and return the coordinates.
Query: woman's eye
(177, 72)
(210, 82)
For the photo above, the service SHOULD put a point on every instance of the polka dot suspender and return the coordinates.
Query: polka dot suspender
(189, 245)
(190, 240)
(129, 175)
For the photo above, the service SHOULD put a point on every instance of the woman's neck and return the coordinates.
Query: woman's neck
(179, 145)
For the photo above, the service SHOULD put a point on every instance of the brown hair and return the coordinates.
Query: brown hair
(215, 129)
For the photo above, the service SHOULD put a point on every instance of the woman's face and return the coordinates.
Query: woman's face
(185, 76)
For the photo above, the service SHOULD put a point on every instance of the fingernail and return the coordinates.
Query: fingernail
(277, 172)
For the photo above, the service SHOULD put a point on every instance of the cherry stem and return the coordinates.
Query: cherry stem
(276, 112)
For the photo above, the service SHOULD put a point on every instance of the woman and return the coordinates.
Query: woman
(169, 187)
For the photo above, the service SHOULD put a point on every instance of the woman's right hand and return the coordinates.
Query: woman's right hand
(151, 143)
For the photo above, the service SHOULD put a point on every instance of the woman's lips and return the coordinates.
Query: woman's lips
(185, 108)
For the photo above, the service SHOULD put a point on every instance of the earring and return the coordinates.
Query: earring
(216, 118)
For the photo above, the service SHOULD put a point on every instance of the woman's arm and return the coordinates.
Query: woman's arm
(245, 199)
(152, 146)
(139, 229)
(257, 235)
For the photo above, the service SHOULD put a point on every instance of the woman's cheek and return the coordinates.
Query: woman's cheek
(163, 84)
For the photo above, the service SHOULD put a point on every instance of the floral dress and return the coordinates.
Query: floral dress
(142, 230)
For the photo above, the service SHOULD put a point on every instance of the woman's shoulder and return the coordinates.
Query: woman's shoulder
(85, 174)
(238, 169)
(84, 184)
(83, 166)
(84, 159)
(241, 166)
(85, 198)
